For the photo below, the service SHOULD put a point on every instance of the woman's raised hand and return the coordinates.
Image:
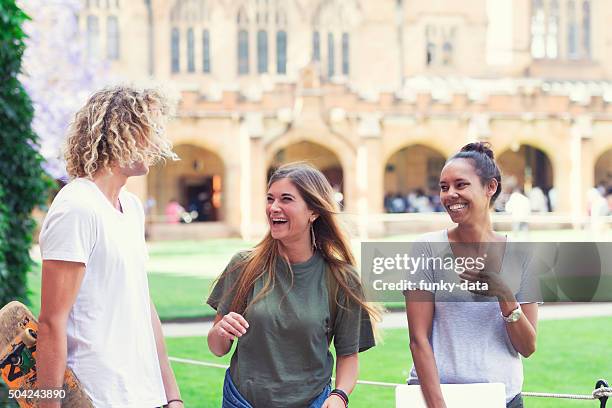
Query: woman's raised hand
(232, 326)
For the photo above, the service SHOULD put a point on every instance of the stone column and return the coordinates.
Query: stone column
(370, 173)
(253, 178)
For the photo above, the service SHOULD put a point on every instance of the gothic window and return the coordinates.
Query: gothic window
(243, 52)
(175, 50)
(447, 53)
(190, 50)
(430, 46)
(538, 29)
(112, 38)
(331, 64)
(281, 52)
(572, 30)
(333, 23)
(206, 51)
(262, 51)
(552, 18)
(93, 34)
(552, 31)
(316, 46)
(586, 28)
(439, 45)
(243, 42)
(345, 54)
(280, 20)
(190, 19)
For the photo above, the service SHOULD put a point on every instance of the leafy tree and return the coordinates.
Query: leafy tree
(23, 184)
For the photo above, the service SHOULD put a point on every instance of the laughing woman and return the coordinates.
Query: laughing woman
(478, 336)
(275, 300)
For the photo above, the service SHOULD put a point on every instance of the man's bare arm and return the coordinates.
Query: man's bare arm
(61, 281)
(170, 386)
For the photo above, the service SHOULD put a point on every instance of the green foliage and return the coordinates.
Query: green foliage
(23, 184)
(22, 181)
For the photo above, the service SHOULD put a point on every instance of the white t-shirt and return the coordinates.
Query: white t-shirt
(111, 344)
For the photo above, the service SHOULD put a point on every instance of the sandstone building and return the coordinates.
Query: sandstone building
(376, 93)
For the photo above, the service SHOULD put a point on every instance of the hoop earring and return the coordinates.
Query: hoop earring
(312, 236)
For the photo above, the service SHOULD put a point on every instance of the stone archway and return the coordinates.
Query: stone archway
(319, 156)
(196, 181)
(530, 170)
(412, 171)
(603, 170)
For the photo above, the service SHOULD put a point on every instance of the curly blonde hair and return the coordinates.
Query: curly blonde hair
(117, 126)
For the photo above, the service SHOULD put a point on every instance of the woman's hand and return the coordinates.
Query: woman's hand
(496, 287)
(333, 401)
(231, 326)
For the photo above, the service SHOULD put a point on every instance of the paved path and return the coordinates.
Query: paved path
(394, 320)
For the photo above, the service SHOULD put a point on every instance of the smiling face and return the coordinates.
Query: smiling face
(462, 193)
(288, 215)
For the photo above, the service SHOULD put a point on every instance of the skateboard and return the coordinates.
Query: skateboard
(18, 332)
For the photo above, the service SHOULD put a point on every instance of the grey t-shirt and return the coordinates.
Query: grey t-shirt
(284, 360)
(469, 337)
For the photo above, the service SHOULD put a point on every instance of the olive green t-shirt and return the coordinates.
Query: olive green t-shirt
(283, 360)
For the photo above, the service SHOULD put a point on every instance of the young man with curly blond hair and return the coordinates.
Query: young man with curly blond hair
(96, 314)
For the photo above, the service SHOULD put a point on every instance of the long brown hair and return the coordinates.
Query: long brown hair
(331, 241)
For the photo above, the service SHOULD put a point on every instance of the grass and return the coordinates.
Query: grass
(175, 296)
(181, 272)
(571, 356)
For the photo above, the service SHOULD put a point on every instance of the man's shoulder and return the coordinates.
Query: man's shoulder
(74, 197)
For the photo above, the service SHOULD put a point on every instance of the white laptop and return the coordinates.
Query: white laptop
(490, 395)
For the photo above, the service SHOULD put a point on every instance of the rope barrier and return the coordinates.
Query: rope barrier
(602, 391)
(205, 364)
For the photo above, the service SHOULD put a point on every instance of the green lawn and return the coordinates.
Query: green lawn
(181, 272)
(571, 356)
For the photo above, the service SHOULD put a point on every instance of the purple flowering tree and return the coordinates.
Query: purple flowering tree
(57, 73)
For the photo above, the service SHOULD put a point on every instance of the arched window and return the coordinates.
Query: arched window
(243, 52)
(330, 55)
(189, 18)
(430, 45)
(93, 37)
(345, 54)
(190, 51)
(572, 30)
(586, 28)
(262, 51)
(175, 50)
(281, 52)
(447, 53)
(243, 42)
(112, 38)
(538, 29)
(552, 32)
(206, 51)
(316, 46)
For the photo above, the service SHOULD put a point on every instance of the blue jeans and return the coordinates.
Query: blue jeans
(318, 402)
(233, 399)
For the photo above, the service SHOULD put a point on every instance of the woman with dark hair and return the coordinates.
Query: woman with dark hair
(475, 336)
(288, 298)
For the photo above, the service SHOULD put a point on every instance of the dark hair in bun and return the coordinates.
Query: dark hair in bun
(483, 158)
